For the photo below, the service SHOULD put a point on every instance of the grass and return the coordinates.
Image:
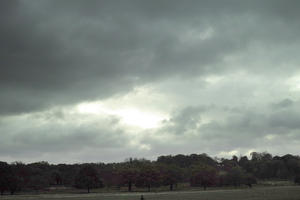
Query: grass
(256, 193)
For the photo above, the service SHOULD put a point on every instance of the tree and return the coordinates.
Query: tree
(297, 179)
(109, 176)
(170, 175)
(235, 159)
(57, 177)
(18, 177)
(4, 172)
(67, 173)
(255, 156)
(38, 182)
(39, 177)
(249, 180)
(235, 176)
(128, 176)
(203, 175)
(88, 178)
(148, 176)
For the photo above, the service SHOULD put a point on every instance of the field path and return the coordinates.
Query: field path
(259, 193)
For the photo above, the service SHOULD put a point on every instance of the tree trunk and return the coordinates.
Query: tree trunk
(129, 186)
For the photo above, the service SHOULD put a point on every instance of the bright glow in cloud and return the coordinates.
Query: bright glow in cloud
(270, 137)
(89, 108)
(129, 116)
(213, 79)
(294, 83)
(134, 109)
(134, 117)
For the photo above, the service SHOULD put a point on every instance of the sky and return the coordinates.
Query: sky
(102, 81)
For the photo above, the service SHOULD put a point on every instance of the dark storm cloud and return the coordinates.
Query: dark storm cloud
(63, 52)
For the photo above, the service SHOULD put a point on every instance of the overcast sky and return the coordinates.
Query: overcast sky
(101, 81)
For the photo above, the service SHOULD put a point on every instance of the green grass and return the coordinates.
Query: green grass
(258, 193)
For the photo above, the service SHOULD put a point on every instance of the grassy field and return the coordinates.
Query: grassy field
(259, 193)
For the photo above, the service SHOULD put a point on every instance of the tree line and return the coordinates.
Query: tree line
(199, 170)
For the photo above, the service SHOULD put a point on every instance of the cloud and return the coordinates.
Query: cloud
(283, 104)
(58, 53)
(223, 76)
(56, 131)
(89, 137)
(226, 129)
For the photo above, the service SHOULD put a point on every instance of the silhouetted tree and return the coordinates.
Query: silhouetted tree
(235, 176)
(4, 172)
(185, 161)
(14, 183)
(38, 182)
(199, 169)
(249, 180)
(245, 163)
(57, 177)
(18, 177)
(148, 176)
(280, 168)
(88, 178)
(170, 175)
(128, 176)
(67, 173)
(110, 176)
(297, 179)
(203, 175)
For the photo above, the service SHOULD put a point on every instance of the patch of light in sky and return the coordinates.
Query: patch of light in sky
(213, 79)
(294, 83)
(128, 115)
(228, 153)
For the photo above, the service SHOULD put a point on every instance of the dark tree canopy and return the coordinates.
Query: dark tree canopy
(88, 178)
(4, 176)
(170, 174)
(203, 175)
(148, 176)
(128, 176)
(199, 170)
